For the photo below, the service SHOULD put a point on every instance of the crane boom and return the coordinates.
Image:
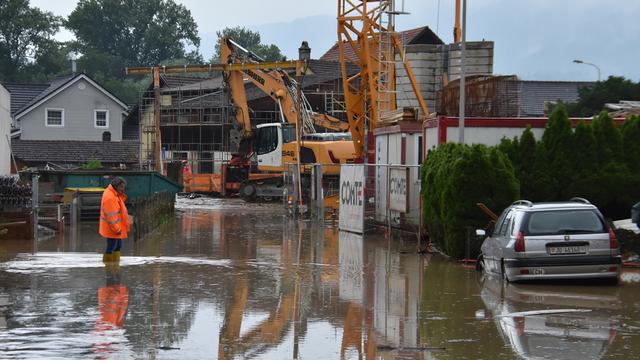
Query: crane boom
(278, 85)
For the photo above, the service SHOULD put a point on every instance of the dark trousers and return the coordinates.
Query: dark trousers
(113, 245)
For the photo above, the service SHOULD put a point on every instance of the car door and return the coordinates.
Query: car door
(491, 247)
(503, 237)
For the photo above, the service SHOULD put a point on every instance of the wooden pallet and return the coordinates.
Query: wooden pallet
(390, 118)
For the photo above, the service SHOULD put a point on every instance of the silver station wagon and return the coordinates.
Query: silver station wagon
(561, 240)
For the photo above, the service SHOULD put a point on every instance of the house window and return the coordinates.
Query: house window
(55, 117)
(106, 136)
(101, 118)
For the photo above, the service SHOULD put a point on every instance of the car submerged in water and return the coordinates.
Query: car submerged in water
(560, 240)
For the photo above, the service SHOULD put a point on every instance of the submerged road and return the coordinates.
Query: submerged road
(228, 280)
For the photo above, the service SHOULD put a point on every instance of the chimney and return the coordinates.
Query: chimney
(304, 51)
(73, 66)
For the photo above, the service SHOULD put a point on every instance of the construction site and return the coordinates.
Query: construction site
(282, 131)
(275, 210)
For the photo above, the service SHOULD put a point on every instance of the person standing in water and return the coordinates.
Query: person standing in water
(114, 218)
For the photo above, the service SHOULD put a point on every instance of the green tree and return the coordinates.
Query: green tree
(249, 40)
(584, 163)
(631, 143)
(592, 98)
(608, 139)
(134, 32)
(511, 148)
(552, 168)
(26, 38)
(457, 177)
(527, 159)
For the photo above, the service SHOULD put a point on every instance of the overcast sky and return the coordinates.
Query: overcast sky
(534, 39)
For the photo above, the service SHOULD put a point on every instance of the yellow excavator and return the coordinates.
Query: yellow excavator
(276, 146)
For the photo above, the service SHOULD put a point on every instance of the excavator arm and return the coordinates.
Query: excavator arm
(275, 83)
(235, 81)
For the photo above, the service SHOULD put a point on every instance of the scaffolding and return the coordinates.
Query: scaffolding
(195, 127)
(486, 96)
(197, 123)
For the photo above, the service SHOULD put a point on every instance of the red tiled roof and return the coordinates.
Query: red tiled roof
(421, 35)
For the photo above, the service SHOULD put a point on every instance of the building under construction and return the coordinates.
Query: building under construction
(196, 120)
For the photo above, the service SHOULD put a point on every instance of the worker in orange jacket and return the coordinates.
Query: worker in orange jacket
(187, 176)
(114, 218)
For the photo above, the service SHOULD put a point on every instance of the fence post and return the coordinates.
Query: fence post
(295, 189)
(320, 191)
(60, 219)
(74, 211)
(34, 206)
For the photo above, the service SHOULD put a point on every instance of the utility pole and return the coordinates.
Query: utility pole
(156, 116)
(463, 49)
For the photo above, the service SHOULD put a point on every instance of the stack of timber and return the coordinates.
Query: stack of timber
(395, 117)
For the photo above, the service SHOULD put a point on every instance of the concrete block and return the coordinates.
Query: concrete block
(423, 56)
(480, 69)
(473, 61)
(472, 45)
(471, 53)
(421, 64)
(425, 48)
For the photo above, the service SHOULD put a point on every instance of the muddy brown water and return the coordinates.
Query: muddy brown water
(229, 281)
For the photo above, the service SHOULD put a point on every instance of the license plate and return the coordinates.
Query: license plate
(560, 250)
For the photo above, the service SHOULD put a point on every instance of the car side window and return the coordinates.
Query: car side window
(506, 224)
(500, 222)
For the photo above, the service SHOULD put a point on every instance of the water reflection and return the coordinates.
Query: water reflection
(113, 300)
(247, 282)
(553, 322)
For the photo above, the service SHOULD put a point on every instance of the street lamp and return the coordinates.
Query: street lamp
(588, 63)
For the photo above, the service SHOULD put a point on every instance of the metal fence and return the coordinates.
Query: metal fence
(319, 186)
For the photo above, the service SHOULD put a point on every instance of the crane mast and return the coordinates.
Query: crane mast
(367, 39)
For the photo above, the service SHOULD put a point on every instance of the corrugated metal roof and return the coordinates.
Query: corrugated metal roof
(172, 81)
(186, 85)
(421, 35)
(534, 94)
(40, 151)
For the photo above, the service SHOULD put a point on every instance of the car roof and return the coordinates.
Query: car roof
(564, 205)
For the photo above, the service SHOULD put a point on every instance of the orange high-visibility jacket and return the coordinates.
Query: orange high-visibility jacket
(114, 218)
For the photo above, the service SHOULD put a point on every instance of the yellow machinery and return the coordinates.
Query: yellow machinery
(293, 141)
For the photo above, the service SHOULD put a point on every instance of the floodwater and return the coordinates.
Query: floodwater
(230, 281)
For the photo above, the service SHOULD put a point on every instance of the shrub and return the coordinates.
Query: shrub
(457, 177)
(91, 165)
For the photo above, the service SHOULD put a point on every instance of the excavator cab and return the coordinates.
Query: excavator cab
(268, 145)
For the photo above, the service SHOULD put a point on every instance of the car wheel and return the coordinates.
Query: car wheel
(248, 191)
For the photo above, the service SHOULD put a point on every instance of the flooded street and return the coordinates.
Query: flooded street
(230, 281)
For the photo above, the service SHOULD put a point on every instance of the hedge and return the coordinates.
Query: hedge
(454, 179)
